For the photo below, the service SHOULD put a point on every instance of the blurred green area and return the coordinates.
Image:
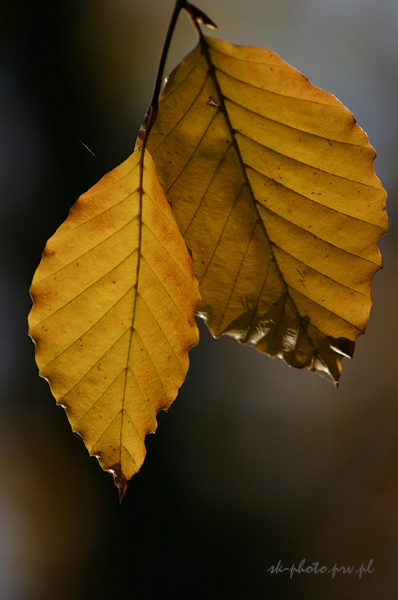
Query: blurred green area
(254, 462)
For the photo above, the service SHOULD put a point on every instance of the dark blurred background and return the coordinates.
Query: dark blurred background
(254, 462)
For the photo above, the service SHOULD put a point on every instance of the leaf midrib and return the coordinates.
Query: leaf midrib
(213, 75)
(139, 248)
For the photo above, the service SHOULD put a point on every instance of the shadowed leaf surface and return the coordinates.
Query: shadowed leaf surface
(272, 185)
(113, 315)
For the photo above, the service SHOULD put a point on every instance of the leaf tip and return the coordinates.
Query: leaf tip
(122, 487)
(119, 480)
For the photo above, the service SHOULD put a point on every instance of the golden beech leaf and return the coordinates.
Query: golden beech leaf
(273, 188)
(113, 314)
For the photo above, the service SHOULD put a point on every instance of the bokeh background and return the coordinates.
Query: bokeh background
(254, 462)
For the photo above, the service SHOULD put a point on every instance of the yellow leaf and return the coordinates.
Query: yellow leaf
(113, 315)
(273, 188)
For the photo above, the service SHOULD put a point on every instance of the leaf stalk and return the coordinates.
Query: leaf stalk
(197, 16)
(151, 113)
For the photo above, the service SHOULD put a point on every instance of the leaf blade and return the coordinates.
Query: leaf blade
(282, 206)
(113, 314)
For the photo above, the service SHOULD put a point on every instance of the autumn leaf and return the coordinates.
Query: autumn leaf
(273, 188)
(113, 315)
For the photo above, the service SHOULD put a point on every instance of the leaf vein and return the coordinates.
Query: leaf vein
(145, 400)
(190, 158)
(77, 258)
(324, 308)
(161, 330)
(265, 208)
(310, 133)
(204, 195)
(93, 285)
(181, 119)
(347, 287)
(310, 199)
(76, 424)
(279, 94)
(81, 337)
(237, 275)
(237, 133)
